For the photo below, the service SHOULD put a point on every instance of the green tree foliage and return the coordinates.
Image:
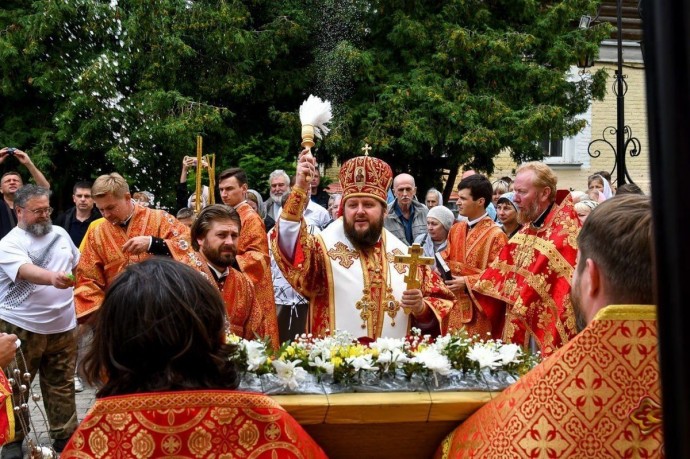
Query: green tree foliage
(127, 85)
(444, 84)
(91, 86)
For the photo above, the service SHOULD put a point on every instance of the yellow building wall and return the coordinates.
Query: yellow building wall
(603, 115)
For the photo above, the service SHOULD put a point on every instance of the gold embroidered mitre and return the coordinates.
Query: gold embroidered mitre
(367, 177)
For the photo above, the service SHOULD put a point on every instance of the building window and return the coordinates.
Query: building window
(552, 147)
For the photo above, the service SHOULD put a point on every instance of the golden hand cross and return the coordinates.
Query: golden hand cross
(414, 259)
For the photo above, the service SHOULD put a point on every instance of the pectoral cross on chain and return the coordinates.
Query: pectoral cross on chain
(413, 259)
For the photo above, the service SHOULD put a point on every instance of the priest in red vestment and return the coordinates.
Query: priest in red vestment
(348, 271)
(166, 379)
(599, 395)
(252, 250)
(472, 245)
(525, 292)
(130, 233)
(214, 235)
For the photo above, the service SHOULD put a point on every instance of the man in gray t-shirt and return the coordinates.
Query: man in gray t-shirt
(37, 305)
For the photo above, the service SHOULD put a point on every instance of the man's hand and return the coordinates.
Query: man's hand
(457, 284)
(61, 280)
(22, 157)
(190, 161)
(413, 300)
(8, 348)
(306, 167)
(137, 245)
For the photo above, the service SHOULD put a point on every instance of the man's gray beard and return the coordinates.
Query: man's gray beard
(527, 216)
(276, 198)
(39, 229)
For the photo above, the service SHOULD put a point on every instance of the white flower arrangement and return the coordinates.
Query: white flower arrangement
(345, 361)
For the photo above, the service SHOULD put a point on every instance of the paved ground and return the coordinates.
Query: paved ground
(84, 401)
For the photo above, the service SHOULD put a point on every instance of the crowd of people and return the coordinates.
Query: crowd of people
(146, 286)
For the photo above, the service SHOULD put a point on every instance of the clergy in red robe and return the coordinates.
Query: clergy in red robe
(348, 271)
(599, 395)
(165, 377)
(525, 292)
(472, 244)
(252, 250)
(130, 234)
(214, 236)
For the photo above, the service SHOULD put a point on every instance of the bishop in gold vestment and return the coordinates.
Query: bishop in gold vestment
(348, 271)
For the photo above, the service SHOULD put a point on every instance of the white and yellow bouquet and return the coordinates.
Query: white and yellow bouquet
(450, 362)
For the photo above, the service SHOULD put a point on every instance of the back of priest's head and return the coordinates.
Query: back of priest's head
(618, 238)
(161, 327)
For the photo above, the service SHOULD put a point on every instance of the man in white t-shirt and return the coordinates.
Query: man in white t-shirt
(37, 304)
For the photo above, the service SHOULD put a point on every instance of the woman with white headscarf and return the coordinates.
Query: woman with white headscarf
(438, 223)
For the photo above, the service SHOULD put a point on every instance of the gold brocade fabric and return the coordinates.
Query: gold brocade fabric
(6, 411)
(468, 253)
(597, 396)
(255, 263)
(190, 424)
(525, 291)
(238, 296)
(102, 257)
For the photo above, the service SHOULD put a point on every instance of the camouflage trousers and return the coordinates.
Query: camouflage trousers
(54, 356)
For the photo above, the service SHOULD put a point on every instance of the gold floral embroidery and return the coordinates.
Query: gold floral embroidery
(199, 442)
(248, 435)
(119, 420)
(343, 254)
(143, 445)
(224, 415)
(98, 442)
(295, 205)
(400, 267)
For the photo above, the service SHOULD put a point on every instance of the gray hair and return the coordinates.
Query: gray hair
(185, 212)
(438, 193)
(279, 173)
(29, 192)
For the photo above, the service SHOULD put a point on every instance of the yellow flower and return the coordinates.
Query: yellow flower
(336, 361)
(355, 351)
(268, 360)
(290, 351)
(231, 338)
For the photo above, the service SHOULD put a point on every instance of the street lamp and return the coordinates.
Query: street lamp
(624, 138)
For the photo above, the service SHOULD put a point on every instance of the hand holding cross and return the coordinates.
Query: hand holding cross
(414, 259)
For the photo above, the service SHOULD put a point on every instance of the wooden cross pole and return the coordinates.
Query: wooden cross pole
(413, 259)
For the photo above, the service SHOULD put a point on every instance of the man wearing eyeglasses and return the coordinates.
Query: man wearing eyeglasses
(37, 260)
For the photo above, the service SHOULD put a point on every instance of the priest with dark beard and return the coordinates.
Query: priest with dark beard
(214, 239)
(348, 271)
